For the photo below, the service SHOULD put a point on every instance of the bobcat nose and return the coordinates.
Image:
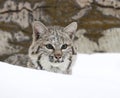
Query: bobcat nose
(58, 56)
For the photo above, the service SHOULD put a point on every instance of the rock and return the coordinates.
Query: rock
(110, 12)
(109, 7)
(110, 42)
(83, 44)
(8, 5)
(21, 13)
(20, 37)
(109, 3)
(21, 18)
(81, 13)
(38, 5)
(24, 5)
(5, 47)
(17, 59)
(40, 14)
(84, 3)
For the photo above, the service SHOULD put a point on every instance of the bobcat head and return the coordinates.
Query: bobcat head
(52, 47)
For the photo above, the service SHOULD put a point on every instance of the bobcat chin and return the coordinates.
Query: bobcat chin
(52, 48)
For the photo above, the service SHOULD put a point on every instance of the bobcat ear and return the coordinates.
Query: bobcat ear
(38, 29)
(71, 28)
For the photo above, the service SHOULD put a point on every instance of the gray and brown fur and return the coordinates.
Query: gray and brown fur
(52, 48)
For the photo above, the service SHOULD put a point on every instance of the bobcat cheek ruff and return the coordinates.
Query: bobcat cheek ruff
(52, 47)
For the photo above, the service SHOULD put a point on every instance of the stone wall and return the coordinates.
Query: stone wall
(98, 24)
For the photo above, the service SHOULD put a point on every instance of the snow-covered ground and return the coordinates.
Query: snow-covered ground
(94, 76)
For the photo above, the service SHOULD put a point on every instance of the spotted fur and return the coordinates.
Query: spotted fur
(52, 48)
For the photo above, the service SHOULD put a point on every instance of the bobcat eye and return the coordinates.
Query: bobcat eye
(64, 46)
(49, 46)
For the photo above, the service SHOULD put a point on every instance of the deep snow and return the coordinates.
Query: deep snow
(94, 76)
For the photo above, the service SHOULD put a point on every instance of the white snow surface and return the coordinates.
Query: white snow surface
(94, 76)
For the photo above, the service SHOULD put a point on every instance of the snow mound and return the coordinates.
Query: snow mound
(94, 76)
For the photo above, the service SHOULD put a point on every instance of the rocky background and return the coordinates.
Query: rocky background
(98, 25)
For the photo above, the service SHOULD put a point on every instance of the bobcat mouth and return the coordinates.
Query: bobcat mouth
(53, 60)
(58, 61)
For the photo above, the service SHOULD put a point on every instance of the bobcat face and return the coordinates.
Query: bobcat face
(52, 47)
(57, 48)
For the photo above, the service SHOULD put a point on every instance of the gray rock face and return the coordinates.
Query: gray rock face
(83, 44)
(17, 59)
(110, 42)
(84, 3)
(20, 37)
(98, 24)
(5, 46)
(109, 3)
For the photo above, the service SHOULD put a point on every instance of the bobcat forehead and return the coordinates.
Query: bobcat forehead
(56, 36)
(52, 47)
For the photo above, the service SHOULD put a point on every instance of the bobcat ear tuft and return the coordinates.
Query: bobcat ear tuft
(71, 28)
(38, 29)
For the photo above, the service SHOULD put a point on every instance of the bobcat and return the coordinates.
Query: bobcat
(52, 48)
